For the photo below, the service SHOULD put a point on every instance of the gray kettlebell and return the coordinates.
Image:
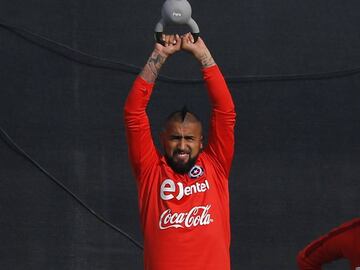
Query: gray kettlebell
(176, 12)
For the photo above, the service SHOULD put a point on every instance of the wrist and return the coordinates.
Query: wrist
(205, 59)
(153, 66)
(159, 53)
(157, 58)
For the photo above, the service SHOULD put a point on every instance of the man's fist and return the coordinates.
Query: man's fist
(172, 44)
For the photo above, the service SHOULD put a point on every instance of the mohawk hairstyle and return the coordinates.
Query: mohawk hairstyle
(180, 115)
(184, 111)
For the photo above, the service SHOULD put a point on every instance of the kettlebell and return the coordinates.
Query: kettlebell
(176, 12)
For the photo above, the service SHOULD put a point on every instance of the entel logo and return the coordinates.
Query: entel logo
(168, 186)
(176, 14)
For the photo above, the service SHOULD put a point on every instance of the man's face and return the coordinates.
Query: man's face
(182, 143)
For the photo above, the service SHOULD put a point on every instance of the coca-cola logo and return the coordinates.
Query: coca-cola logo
(197, 216)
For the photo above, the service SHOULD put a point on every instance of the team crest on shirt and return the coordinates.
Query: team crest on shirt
(196, 172)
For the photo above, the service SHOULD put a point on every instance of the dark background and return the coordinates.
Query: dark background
(296, 170)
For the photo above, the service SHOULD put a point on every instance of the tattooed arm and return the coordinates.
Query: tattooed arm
(198, 49)
(159, 56)
(142, 151)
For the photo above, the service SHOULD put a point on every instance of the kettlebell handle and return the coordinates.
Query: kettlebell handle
(158, 37)
(159, 28)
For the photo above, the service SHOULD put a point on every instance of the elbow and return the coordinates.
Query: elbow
(127, 107)
(229, 110)
(129, 110)
(232, 110)
(232, 113)
(126, 110)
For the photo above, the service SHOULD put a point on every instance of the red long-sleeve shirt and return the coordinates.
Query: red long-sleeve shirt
(342, 242)
(185, 218)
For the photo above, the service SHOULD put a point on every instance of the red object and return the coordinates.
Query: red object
(185, 218)
(342, 242)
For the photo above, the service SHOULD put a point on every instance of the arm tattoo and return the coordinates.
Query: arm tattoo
(152, 67)
(206, 60)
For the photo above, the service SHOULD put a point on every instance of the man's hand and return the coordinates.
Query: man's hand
(172, 44)
(198, 49)
(159, 56)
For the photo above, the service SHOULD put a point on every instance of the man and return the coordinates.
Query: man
(183, 194)
(342, 242)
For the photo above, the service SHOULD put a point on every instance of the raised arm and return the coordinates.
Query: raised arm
(142, 152)
(221, 136)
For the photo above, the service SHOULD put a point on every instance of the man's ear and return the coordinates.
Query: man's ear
(201, 142)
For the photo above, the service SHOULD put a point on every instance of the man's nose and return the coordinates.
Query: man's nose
(181, 144)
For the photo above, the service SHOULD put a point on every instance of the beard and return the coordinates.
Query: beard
(181, 167)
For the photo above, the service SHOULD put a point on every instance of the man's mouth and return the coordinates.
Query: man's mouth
(181, 161)
(182, 156)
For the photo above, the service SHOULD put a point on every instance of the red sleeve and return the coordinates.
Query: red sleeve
(221, 136)
(142, 152)
(327, 248)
